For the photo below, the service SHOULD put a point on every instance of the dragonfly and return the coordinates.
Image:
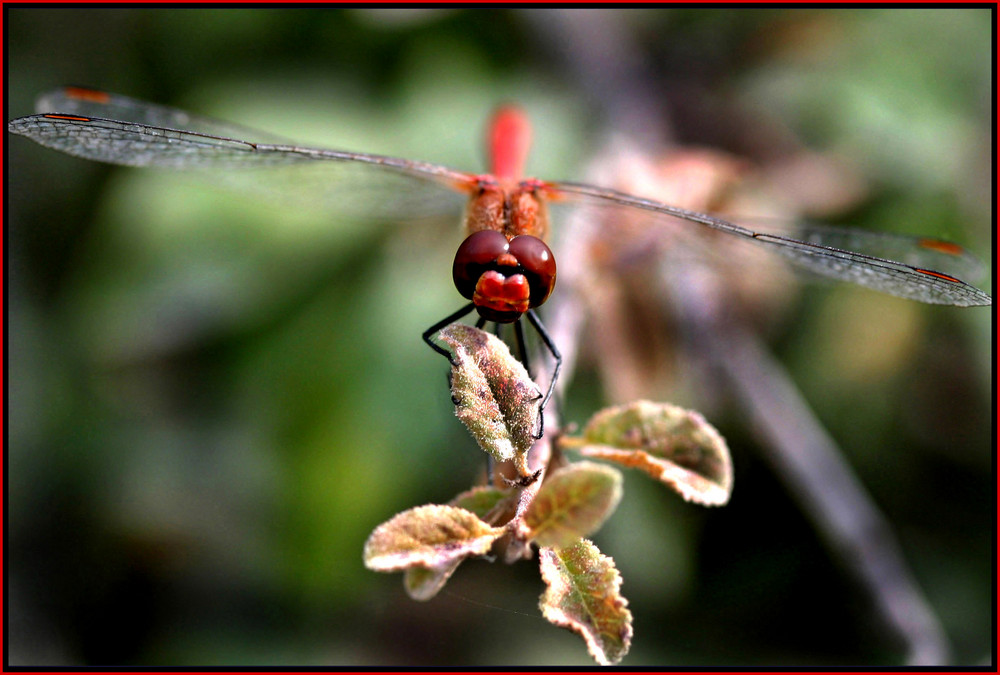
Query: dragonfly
(504, 268)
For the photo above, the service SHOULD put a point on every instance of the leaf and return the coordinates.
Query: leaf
(573, 502)
(431, 536)
(494, 396)
(675, 445)
(583, 595)
(423, 583)
(485, 501)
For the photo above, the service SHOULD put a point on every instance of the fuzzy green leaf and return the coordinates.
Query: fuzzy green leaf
(431, 536)
(583, 595)
(485, 501)
(423, 583)
(495, 398)
(573, 502)
(674, 445)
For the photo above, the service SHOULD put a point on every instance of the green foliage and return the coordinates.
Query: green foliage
(429, 536)
(582, 595)
(573, 501)
(493, 395)
(674, 445)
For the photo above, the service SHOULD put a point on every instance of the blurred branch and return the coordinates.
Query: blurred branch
(812, 466)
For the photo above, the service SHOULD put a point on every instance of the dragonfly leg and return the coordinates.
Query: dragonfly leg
(522, 351)
(450, 319)
(550, 345)
(522, 354)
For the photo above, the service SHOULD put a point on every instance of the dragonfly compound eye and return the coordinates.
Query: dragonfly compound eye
(538, 265)
(478, 253)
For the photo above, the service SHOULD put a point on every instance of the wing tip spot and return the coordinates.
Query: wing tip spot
(71, 118)
(939, 275)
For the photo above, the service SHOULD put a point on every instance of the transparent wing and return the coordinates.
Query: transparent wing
(94, 103)
(826, 251)
(119, 130)
(922, 252)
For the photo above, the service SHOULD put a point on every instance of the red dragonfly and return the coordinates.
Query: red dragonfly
(503, 267)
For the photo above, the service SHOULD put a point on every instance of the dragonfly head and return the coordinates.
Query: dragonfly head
(504, 279)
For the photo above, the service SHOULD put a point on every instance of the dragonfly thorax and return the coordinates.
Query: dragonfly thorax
(509, 207)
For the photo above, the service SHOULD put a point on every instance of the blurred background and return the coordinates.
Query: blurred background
(212, 400)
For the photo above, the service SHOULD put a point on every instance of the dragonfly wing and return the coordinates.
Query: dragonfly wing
(94, 103)
(353, 183)
(912, 281)
(888, 276)
(924, 252)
